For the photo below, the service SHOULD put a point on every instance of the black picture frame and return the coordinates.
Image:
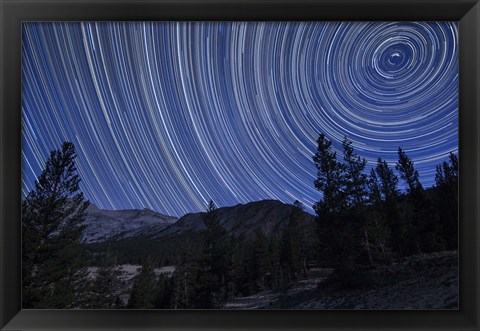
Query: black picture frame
(14, 12)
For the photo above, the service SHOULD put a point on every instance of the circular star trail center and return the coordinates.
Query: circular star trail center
(168, 115)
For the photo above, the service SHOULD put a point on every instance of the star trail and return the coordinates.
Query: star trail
(168, 115)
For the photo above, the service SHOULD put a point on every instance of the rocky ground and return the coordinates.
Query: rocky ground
(418, 282)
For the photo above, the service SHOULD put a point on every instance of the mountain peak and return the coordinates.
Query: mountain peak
(269, 216)
(104, 224)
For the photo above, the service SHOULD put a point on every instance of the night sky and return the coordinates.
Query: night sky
(169, 115)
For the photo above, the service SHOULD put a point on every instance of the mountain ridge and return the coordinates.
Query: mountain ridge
(268, 216)
(102, 225)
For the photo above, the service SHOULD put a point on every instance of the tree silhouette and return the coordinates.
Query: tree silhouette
(54, 273)
(105, 287)
(422, 224)
(143, 294)
(355, 178)
(293, 252)
(340, 225)
(407, 172)
(214, 261)
(378, 229)
(388, 207)
(446, 197)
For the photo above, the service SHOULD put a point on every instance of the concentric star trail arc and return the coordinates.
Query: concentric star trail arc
(168, 115)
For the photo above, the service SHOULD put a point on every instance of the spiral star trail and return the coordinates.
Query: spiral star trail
(168, 115)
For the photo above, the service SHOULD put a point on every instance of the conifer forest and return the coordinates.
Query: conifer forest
(363, 222)
(300, 165)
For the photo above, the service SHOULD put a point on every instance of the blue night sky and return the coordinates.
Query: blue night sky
(169, 115)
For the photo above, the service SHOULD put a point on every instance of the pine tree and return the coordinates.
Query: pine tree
(274, 274)
(164, 293)
(329, 182)
(143, 291)
(355, 178)
(291, 244)
(388, 180)
(214, 261)
(186, 282)
(411, 240)
(446, 196)
(408, 173)
(329, 179)
(388, 189)
(53, 270)
(423, 227)
(356, 182)
(105, 287)
(340, 223)
(377, 222)
(259, 262)
(239, 266)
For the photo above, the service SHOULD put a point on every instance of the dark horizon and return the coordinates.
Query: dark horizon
(305, 208)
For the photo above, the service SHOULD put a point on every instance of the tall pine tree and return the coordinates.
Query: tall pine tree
(239, 265)
(53, 271)
(446, 197)
(104, 292)
(292, 244)
(389, 194)
(355, 178)
(214, 261)
(329, 179)
(164, 292)
(338, 228)
(408, 173)
(143, 291)
(356, 182)
(187, 281)
(378, 229)
(423, 231)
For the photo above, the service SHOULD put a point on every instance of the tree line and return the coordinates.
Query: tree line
(362, 220)
(55, 264)
(226, 265)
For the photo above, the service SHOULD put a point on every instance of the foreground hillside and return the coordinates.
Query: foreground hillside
(428, 281)
(228, 256)
(418, 282)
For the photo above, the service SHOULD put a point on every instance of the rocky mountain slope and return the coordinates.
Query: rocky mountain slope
(269, 216)
(102, 225)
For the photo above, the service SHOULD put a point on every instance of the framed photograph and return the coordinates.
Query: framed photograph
(240, 165)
